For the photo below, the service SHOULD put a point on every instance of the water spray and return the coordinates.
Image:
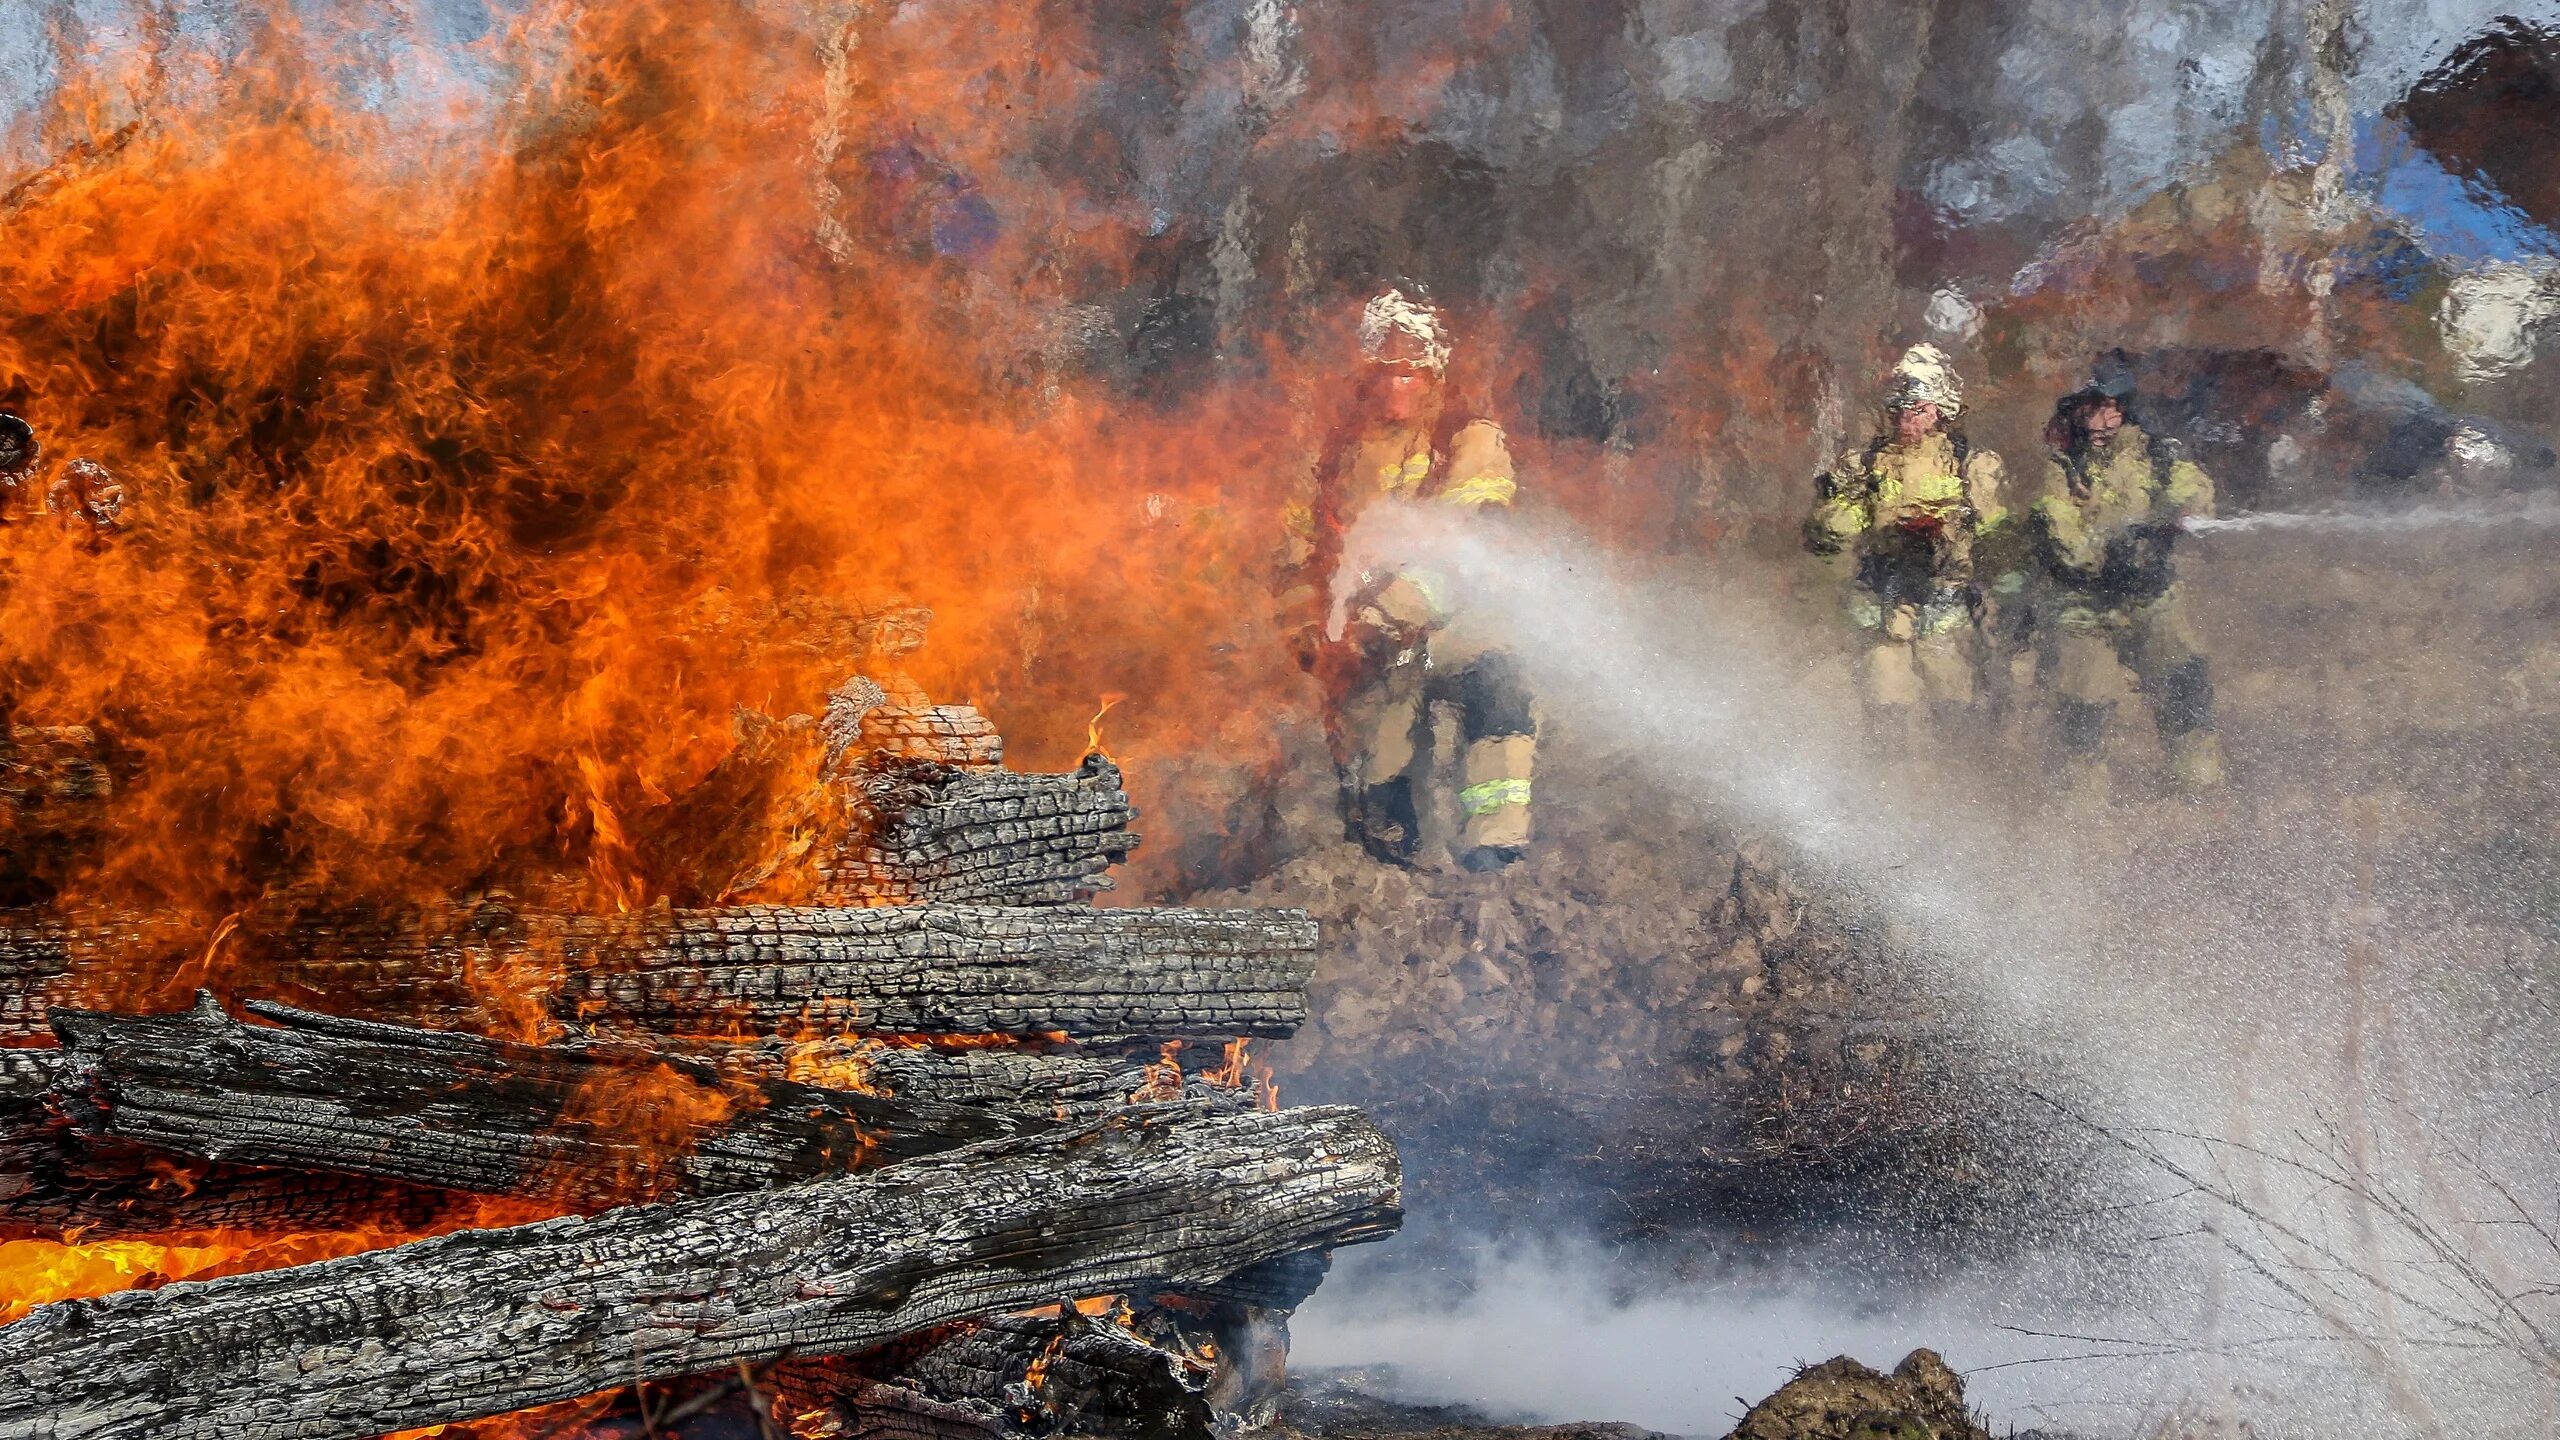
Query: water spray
(2540, 512)
(2191, 1013)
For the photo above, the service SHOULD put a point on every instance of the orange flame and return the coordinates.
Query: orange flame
(1093, 731)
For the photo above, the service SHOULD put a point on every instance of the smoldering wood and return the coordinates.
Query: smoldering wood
(916, 969)
(28, 1128)
(111, 1190)
(56, 1182)
(880, 1410)
(927, 832)
(787, 815)
(49, 959)
(1282, 1282)
(1092, 1378)
(482, 1322)
(584, 1127)
(1072, 1085)
(1039, 1081)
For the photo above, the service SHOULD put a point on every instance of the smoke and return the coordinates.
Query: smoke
(2311, 1065)
(1540, 1337)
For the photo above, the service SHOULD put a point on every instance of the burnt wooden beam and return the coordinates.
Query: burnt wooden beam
(114, 1191)
(483, 1322)
(1070, 1084)
(54, 1182)
(931, 833)
(586, 1128)
(906, 969)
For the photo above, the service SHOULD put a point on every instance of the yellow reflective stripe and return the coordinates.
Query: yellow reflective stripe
(1417, 466)
(1488, 796)
(1482, 490)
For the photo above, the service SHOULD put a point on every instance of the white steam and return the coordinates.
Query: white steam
(1538, 1339)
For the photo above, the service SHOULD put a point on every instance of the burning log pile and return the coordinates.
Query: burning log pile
(930, 1162)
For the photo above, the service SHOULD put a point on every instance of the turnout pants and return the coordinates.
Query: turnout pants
(1382, 725)
(2098, 648)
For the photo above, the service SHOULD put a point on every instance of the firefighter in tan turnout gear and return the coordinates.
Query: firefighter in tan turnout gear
(1399, 648)
(2105, 523)
(1912, 508)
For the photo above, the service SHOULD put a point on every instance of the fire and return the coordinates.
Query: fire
(476, 464)
(1229, 1071)
(1093, 732)
(40, 1272)
(1163, 1077)
(1237, 1068)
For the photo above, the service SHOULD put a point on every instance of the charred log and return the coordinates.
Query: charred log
(584, 1128)
(1281, 1283)
(55, 1181)
(1052, 1375)
(108, 1190)
(896, 822)
(1072, 1085)
(927, 832)
(896, 969)
(483, 1322)
(28, 1130)
(1134, 1369)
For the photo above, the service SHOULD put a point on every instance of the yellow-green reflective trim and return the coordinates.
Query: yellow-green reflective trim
(1488, 796)
(1482, 490)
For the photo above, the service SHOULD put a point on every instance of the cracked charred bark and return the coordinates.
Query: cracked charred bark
(483, 1322)
(911, 969)
(588, 1128)
(944, 834)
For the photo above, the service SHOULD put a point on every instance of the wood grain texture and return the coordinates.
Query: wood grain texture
(483, 1322)
(930, 833)
(588, 1128)
(909, 969)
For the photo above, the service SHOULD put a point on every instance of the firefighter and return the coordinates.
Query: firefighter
(1911, 508)
(1395, 653)
(2105, 525)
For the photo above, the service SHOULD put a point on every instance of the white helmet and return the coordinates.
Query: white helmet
(1396, 329)
(1925, 376)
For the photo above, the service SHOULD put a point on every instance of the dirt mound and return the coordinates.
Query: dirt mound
(1841, 1399)
(1649, 1024)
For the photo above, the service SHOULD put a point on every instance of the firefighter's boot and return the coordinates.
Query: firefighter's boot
(1385, 820)
(1493, 797)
